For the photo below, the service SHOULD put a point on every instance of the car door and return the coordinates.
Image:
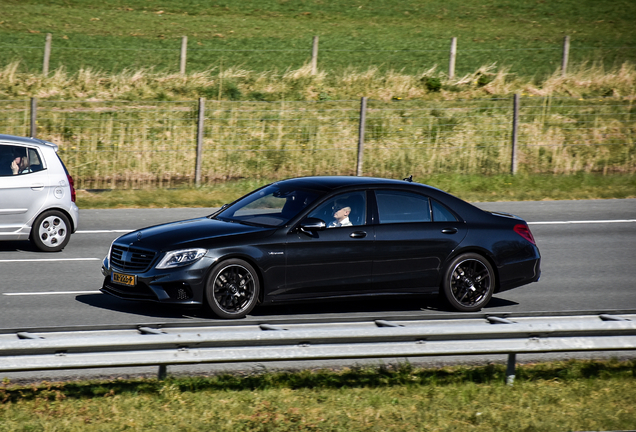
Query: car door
(336, 261)
(411, 245)
(23, 194)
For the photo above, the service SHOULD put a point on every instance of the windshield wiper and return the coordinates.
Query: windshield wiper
(250, 223)
(224, 219)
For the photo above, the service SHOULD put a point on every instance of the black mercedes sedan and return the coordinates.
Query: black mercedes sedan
(324, 238)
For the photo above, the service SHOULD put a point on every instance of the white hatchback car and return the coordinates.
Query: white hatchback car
(37, 196)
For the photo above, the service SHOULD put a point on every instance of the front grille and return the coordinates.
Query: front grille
(130, 258)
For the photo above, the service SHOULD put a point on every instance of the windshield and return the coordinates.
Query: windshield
(273, 205)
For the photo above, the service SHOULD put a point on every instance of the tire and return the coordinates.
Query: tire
(469, 282)
(51, 231)
(232, 289)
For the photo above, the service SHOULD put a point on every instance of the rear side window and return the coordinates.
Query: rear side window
(402, 207)
(18, 160)
(35, 162)
(441, 213)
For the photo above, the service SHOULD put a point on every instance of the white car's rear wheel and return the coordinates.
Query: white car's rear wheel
(51, 231)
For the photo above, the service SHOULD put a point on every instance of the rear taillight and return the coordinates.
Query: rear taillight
(524, 232)
(71, 183)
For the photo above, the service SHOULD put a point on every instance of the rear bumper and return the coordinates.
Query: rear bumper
(519, 274)
(74, 212)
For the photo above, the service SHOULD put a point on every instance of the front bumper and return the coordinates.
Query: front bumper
(182, 285)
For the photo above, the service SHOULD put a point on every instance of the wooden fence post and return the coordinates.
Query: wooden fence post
(451, 62)
(314, 56)
(363, 121)
(566, 55)
(47, 54)
(184, 49)
(34, 117)
(200, 125)
(515, 128)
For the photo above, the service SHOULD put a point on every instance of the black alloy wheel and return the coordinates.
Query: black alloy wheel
(232, 289)
(469, 282)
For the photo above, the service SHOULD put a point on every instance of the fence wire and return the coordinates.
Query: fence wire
(410, 55)
(124, 144)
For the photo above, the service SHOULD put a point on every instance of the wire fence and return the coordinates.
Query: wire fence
(136, 144)
(537, 59)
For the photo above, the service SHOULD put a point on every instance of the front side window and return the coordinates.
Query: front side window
(348, 209)
(18, 160)
(402, 207)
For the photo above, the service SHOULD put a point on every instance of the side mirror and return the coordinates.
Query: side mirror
(311, 225)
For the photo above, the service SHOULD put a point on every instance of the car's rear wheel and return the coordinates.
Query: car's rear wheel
(469, 282)
(51, 231)
(232, 289)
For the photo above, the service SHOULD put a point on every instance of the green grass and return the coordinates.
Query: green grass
(572, 395)
(135, 123)
(473, 188)
(266, 35)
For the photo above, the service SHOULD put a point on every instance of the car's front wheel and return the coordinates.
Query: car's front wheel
(232, 289)
(469, 282)
(51, 231)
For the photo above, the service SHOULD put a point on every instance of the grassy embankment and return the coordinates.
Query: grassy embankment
(270, 35)
(573, 395)
(383, 50)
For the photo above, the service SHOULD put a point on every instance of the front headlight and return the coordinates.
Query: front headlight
(106, 260)
(181, 258)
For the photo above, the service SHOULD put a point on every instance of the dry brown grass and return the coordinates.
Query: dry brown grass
(300, 84)
(110, 142)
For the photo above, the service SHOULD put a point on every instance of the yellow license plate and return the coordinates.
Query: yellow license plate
(124, 279)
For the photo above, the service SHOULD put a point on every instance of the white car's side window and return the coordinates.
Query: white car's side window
(18, 160)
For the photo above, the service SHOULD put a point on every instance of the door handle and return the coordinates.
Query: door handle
(358, 234)
(449, 230)
(37, 186)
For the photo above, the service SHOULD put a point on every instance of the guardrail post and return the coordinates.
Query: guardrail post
(515, 127)
(163, 372)
(200, 125)
(363, 121)
(510, 369)
(34, 117)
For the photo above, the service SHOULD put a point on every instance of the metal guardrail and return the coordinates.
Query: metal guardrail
(162, 346)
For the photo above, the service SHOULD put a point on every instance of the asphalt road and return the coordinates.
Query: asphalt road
(586, 266)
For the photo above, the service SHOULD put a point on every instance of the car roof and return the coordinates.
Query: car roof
(13, 139)
(329, 183)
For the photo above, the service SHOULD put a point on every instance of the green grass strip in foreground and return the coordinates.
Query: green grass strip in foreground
(559, 396)
(471, 188)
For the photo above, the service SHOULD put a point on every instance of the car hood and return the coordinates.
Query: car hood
(186, 233)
